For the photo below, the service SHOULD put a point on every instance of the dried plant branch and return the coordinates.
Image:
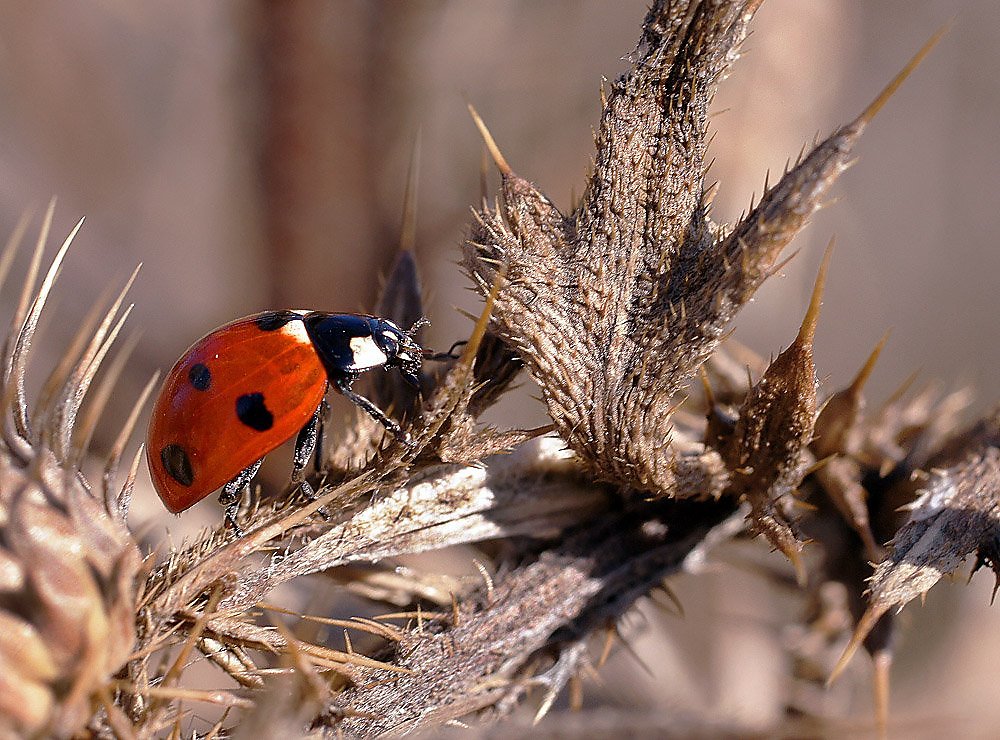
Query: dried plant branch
(472, 660)
(613, 309)
(537, 492)
(956, 515)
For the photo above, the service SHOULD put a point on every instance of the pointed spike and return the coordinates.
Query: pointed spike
(408, 231)
(800, 505)
(880, 691)
(11, 247)
(865, 372)
(902, 390)
(491, 144)
(86, 423)
(864, 626)
(17, 323)
(706, 385)
(807, 331)
(102, 329)
(882, 98)
(818, 465)
(67, 402)
(65, 419)
(640, 661)
(482, 322)
(44, 403)
(547, 701)
(467, 314)
(484, 187)
(22, 347)
(610, 633)
(36, 262)
(124, 500)
(708, 197)
(798, 565)
(783, 264)
(674, 599)
(476, 214)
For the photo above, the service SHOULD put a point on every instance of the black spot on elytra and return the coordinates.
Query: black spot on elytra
(250, 409)
(274, 320)
(200, 376)
(177, 464)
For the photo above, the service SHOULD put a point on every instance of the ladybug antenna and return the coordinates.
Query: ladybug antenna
(418, 325)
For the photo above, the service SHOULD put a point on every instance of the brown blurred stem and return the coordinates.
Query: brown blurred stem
(320, 82)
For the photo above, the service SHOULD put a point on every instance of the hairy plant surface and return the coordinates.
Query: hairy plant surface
(614, 309)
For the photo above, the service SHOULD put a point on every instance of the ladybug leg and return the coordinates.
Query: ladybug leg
(322, 412)
(450, 354)
(232, 492)
(344, 386)
(306, 445)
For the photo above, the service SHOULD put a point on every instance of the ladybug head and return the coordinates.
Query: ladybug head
(400, 348)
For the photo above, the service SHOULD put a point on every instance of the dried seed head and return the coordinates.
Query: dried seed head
(614, 306)
(68, 565)
(604, 305)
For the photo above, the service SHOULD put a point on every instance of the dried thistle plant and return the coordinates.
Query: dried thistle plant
(70, 567)
(613, 309)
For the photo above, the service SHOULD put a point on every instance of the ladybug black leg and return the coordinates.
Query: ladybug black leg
(306, 444)
(232, 492)
(344, 386)
(450, 354)
(322, 411)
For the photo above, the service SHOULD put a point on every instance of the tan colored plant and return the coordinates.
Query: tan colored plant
(612, 309)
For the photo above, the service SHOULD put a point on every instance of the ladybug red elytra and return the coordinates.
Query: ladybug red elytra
(249, 386)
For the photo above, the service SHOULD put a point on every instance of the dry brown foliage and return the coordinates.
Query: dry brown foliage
(613, 309)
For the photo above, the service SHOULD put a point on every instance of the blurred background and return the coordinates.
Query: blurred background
(254, 155)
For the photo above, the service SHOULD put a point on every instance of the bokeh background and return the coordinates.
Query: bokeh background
(254, 155)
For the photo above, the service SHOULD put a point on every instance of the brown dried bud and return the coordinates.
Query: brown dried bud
(68, 564)
(767, 449)
(614, 306)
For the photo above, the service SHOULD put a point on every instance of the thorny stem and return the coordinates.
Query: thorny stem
(613, 308)
(560, 596)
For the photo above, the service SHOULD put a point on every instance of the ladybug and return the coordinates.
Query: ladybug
(249, 386)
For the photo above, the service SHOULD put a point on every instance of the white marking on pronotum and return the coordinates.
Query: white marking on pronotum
(366, 353)
(296, 330)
